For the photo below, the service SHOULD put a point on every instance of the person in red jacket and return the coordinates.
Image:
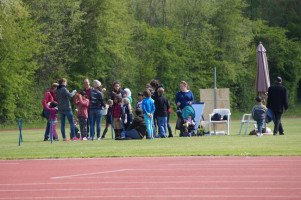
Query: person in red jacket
(87, 89)
(48, 98)
(82, 101)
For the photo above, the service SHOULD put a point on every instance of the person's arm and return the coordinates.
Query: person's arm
(285, 99)
(177, 100)
(45, 100)
(269, 98)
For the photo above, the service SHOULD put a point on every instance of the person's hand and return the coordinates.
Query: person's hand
(189, 103)
(178, 104)
(125, 121)
(149, 115)
(285, 110)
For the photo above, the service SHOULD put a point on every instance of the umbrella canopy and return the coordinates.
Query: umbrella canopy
(262, 83)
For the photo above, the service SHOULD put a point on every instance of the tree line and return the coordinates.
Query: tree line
(135, 41)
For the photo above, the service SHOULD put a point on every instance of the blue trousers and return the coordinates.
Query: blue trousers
(133, 133)
(149, 125)
(69, 115)
(162, 123)
(95, 116)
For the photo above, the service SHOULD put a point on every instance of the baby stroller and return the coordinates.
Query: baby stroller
(189, 118)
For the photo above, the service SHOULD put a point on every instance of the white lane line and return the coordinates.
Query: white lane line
(9, 163)
(149, 188)
(162, 196)
(145, 182)
(142, 176)
(76, 175)
(260, 164)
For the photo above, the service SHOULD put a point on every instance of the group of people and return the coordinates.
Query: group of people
(152, 111)
(276, 101)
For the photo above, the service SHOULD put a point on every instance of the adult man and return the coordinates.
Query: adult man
(277, 99)
(87, 89)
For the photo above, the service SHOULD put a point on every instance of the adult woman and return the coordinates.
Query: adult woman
(48, 98)
(64, 107)
(96, 104)
(184, 97)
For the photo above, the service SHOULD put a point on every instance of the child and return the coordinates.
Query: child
(187, 122)
(116, 115)
(148, 108)
(127, 93)
(127, 113)
(139, 103)
(76, 129)
(258, 113)
(162, 106)
(82, 101)
(52, 109)
(117, 90)
(108, 118)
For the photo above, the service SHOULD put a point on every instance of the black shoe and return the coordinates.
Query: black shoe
(46, 139)
(281, 134)
(170, 135)
(275, 134)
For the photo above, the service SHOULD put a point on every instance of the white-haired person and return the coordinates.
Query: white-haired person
(96, 105)
(127, 94)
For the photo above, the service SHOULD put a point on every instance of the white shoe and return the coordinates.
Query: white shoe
(98, 138)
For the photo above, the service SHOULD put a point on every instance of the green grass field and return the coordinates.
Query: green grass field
(233, 145)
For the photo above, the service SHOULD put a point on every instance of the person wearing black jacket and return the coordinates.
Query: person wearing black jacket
(277, 99)
(162, 106)
(137, 130)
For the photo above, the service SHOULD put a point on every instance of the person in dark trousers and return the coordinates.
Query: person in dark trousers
(277, 99)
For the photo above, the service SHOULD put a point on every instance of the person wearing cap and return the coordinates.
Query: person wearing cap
(64, 108)
(96, 105)
(48, 98)
(277, 100)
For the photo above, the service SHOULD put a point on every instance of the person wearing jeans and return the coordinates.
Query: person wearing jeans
(64, 107)
(162, 106)
(96, 105)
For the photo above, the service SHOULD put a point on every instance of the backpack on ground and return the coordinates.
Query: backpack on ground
(258, 113)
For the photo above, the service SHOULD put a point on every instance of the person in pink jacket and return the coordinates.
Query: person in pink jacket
(82, 101)
(48, 98)
(52, 109)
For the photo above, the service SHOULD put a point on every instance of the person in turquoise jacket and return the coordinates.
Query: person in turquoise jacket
(148, 108)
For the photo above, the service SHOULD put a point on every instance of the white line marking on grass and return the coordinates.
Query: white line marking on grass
(60, 177)
(260, 164)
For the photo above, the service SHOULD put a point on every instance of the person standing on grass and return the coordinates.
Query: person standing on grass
(116, 90)
(82, 101)
(108, 118)
(52, 109)
(87, 89)
(258, 113)
(155, 86)
(64, 107)
(148, 108)
(48, 98)
(96, 105)
(277, 99)
(162, 106)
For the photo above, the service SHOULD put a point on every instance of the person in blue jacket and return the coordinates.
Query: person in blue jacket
(148, 108)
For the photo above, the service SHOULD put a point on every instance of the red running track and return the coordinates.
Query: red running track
(152, 178)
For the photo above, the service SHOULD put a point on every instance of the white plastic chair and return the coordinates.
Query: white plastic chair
(247, 121)
(222, 112)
